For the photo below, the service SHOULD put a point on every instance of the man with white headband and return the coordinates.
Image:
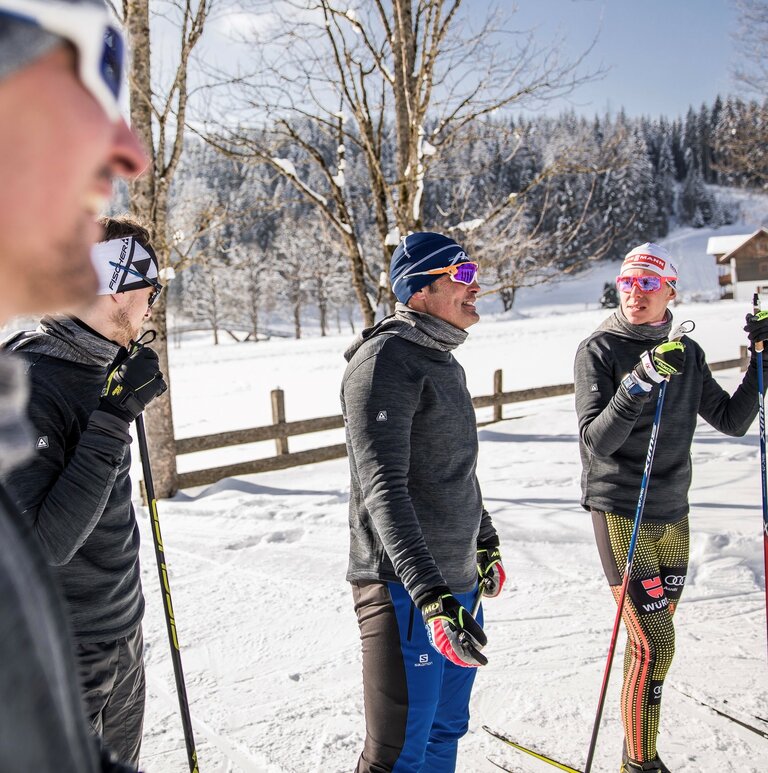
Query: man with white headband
(617, 375)
(62, 141)
(75, 491)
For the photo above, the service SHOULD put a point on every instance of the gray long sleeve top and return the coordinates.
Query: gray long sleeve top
(416, 512)
(43, 727)
(75, 492)
(615, 427)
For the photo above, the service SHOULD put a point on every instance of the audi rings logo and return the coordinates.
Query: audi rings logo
(674, 580)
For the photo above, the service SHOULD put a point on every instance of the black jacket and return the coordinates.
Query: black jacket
(42, 721)
(615, 427)
(416, 512)
(75, 492)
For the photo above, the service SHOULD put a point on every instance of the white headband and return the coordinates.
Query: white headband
(116, 261)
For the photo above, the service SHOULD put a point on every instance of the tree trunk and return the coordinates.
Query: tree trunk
(357, 267)
(145, 205)
(322, 305)
(159, 415)
(297, 318)
(254, 315)
(406, 107)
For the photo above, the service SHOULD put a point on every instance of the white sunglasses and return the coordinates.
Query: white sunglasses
(97, 38)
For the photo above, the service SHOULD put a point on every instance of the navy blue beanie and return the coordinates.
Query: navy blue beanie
(421, 252)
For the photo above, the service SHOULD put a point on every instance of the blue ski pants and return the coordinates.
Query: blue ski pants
(416, 701)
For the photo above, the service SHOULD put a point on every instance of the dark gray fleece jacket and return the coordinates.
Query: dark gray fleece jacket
(75, 491)
(416, 513)
(43, 727)
(615, 427)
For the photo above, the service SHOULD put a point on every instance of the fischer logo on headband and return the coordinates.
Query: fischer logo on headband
(118, 274)
(119, 264)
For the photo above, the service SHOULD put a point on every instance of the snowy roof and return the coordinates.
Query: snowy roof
(719, 245)
(724, 246)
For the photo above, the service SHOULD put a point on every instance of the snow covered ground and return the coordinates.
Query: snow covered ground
(269, 639)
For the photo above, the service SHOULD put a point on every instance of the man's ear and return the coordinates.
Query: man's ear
(417, 301)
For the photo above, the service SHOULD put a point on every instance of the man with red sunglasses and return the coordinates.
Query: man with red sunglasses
(62, 142)
(617, 373)
(420, 538)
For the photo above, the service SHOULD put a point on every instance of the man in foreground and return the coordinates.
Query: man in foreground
(419, 535)
(61, 144)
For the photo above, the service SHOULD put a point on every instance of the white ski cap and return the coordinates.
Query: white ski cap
(121, 265)
(652, 257)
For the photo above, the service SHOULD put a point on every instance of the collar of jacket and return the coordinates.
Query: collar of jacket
(414, 326)
(66, 338)
(619, 325)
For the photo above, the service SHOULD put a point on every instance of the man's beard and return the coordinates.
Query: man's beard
(123, 331)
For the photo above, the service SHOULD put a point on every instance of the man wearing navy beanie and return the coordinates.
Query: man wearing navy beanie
(420, 538)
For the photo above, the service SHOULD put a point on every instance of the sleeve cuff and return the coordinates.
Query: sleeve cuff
(110, 425)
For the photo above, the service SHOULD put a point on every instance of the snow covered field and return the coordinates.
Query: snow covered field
(268, 634)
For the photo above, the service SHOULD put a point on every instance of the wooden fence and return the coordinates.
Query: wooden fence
(280, 430)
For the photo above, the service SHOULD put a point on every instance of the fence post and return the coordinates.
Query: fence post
(497, 390)
(278, 417)
(744, 357)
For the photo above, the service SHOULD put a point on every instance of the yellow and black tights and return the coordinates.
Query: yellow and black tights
(656, 583)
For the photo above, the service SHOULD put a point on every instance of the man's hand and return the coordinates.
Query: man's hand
(490, 569)
(667, 359)
(757, 326)
(452, 630)
(133, 381)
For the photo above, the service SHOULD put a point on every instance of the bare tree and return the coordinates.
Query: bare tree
(158, 115)
(397, 83)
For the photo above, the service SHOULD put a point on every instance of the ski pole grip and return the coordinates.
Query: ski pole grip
(756, 310)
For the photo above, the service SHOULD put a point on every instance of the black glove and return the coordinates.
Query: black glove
(452, 630)
(757, 326)
(133, 381)
(490, 569)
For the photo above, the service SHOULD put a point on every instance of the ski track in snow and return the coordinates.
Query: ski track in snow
(268, 634)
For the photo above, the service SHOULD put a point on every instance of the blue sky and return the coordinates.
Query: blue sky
(660, 55)
(663, 54)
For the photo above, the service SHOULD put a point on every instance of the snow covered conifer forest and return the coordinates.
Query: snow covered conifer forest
(260, 259)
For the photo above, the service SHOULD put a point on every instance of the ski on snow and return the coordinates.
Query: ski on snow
(502, 765)
(569, 769)
(527, 750)
(726, 715)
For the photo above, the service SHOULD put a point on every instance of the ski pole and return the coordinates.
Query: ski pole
(165, 586)
(763, 490)
(475, 607)
(479, 597)
(680, 331)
